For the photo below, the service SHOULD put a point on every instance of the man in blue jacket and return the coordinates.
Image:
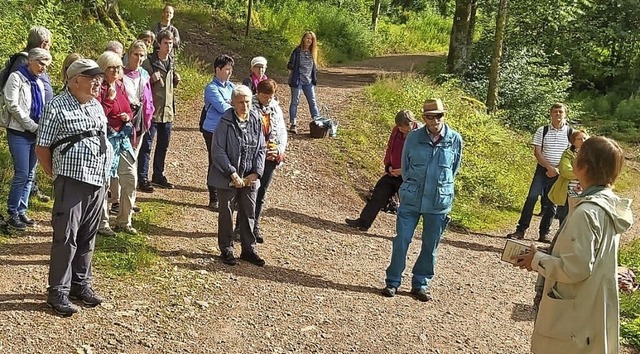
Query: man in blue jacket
(430, 161)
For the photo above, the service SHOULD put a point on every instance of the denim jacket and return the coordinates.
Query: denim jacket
(428, 171)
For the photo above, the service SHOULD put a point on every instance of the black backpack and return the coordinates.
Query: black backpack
(545, 130)
(6, 71)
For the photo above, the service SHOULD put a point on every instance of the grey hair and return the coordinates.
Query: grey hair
(39, 54)
(405, 117)
(241, 90)
(37, 35)
(114, 46)
(108, 59)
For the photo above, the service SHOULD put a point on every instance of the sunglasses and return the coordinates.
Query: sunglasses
(432, 116)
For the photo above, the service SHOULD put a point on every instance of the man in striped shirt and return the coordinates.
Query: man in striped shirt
(548, 145)
(72, 148)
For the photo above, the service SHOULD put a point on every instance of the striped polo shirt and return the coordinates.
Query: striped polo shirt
(555, 142)
(65, 116)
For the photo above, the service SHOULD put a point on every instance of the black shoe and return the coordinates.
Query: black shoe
(516, 235)
(115, 209)
(544, 239)
(421, 294)
(293, 129)
(228, 258)
(26, 220)
(258, 235)
(213, 205)
(59, 302)
(356, 224)
(252, 258)
(14, 222)
(162, 182)
(86, 295)
(389, 291)
(145, 186)
(136, 209)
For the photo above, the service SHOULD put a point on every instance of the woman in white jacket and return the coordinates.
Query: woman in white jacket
(579, 311)
(24, 102)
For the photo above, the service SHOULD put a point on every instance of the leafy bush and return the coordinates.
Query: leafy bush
(528, 84)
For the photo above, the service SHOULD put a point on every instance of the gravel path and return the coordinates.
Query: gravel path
(318, 291)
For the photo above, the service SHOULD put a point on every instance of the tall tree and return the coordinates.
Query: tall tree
(494, 72)
(375, 15)
(249, 7)
(459, 45)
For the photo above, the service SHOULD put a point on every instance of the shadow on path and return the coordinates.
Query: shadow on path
(280, 275)
(314, 222)
(23, 302)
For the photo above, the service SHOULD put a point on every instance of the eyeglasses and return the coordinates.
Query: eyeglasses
(432, 116)
(42, 64)
(97, 80)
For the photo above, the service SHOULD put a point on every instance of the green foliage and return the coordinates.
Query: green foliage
(630, 303)
(488, 194)
(528, 85)
(615, 114)
(421, 32)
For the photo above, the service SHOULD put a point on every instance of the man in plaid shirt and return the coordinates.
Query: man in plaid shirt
(72, 148)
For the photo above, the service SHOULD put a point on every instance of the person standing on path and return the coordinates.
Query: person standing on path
(238, 153)
(165, 25)
(164, 79)
(217, 100)
(388, 184)
(24, 99)
(258, 69)
(579, 309)
(548, 149)
(72, 149)
(303, 76)
(430, 162)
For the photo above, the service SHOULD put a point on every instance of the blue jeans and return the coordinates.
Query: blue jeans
(163, 131)
(310, 93)
(23, 152)
(540, 186)
(433, 226)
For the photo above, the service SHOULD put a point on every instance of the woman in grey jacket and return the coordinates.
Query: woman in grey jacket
(238, 156)
(24, 99)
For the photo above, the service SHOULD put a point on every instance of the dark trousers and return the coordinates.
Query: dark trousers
(386, 187)
(163, 131)
(208, 137)
(265, 181)
(75, 216)
(540, 186)
(246, 199)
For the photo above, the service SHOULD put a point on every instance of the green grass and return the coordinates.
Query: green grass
(132, 255)
(630, 303)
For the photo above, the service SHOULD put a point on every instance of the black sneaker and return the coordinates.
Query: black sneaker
(355, 223)
(27, 220)
(252, 258)
(544, 239)
(389, 291)
(162, 182)
(60, 304)
(516, 235)
(145, 186)
(258, 234)
(115, 209)
(421, 294)
(213, 205)
(136, 209)
(228, 258)
(85, 294)
(14, 222)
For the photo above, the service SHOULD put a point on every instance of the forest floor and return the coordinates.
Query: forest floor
(319, 291)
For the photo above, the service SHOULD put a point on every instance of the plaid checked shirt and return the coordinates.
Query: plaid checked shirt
(64, 116)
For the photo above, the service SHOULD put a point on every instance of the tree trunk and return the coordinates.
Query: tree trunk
(246, 33)
(458, 47)
(375, 15)
(501, 21)
(472, 25)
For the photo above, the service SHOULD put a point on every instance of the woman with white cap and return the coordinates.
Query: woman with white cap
(24, 97)
(258, 68)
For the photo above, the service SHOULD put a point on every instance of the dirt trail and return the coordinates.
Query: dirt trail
(318, 292)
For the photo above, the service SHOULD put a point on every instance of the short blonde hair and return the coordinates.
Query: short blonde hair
(108, 59)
